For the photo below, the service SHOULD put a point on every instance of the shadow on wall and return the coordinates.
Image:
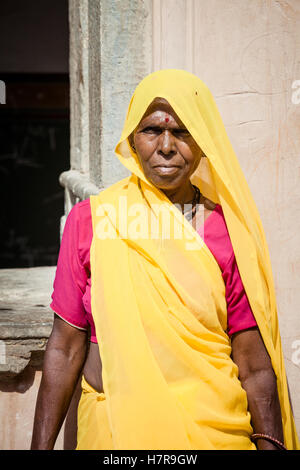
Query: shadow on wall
(17, 409)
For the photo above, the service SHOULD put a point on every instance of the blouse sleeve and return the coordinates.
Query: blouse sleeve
(70, 278)
(239, 313)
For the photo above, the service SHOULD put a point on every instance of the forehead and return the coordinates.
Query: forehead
(158, 106)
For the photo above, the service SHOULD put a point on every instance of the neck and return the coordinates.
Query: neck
(181, 195)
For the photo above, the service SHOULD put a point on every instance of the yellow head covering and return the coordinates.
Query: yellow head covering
(159, 308)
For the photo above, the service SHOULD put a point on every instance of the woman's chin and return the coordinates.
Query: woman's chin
(167, 180)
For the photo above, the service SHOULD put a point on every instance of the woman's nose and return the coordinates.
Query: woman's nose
(167, 144)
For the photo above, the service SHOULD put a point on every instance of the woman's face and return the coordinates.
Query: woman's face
(165, 148)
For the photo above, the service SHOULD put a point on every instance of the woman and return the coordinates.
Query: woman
(185, 351)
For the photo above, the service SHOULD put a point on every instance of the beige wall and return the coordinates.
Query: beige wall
(248, 55)
(17, 407)
(17, 411)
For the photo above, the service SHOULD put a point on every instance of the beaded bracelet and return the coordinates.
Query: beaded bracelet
(271, 439)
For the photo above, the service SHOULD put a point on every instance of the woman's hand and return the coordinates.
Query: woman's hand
(64, 358)
(259, 381)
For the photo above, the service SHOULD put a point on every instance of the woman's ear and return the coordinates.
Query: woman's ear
(131, 141)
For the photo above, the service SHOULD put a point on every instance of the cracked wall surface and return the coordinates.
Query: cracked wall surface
(247, 53)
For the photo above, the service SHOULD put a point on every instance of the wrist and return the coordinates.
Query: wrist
(262, 444)
(267, 442)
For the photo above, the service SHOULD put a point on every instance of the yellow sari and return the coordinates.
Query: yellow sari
(158, 302)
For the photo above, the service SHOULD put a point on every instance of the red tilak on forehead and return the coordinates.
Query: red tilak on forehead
(167, 119)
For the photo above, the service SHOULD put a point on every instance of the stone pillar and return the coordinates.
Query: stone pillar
(110, 52)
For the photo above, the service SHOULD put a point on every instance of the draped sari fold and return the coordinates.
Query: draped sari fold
(158, 296)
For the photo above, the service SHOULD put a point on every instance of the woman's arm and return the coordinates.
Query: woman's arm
(64, 358)
(259, 381)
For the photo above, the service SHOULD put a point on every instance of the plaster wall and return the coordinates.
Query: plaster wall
(247, 53)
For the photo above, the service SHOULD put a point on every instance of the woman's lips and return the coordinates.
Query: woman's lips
(166, 170)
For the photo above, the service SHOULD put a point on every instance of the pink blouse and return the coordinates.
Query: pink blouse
(71, 297)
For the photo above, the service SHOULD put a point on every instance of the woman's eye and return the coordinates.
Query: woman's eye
(158, 130)
(181, 132)
(152, 130)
